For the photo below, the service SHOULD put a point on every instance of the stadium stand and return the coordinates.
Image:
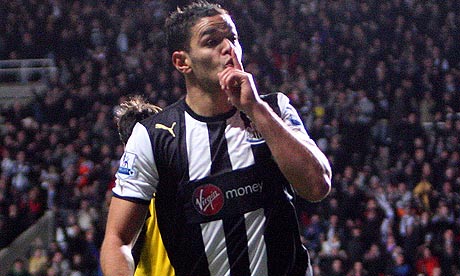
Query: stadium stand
(377, 84)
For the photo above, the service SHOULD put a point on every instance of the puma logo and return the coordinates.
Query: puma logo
(169, 129)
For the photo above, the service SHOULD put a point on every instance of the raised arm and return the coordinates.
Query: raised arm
(124, 223)
(298, 157)
(300, 160)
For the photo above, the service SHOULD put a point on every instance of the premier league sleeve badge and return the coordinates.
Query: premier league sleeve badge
(126, 169)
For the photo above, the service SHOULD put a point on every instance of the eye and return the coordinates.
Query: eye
(212, 42)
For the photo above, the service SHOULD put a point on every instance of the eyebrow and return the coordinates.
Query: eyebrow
(210, 31)
(220, 28)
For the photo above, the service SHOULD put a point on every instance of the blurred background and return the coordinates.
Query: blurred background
(377, 84)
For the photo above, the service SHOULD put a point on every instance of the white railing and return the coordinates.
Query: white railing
(23, 69)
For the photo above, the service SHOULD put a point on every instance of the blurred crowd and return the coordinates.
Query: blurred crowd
(377, 84)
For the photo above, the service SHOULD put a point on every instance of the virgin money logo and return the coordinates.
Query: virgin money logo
(208, 199)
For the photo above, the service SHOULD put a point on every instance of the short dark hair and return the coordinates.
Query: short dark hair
(180, 22)
(131, 111)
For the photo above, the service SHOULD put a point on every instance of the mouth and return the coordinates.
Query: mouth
(229, 64)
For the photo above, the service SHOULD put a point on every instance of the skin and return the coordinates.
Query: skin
(124, 222)
(216, 82)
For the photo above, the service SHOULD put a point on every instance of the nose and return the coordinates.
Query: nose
(228, 46)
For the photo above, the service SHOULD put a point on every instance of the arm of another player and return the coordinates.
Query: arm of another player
(300, 160)
(124, 223)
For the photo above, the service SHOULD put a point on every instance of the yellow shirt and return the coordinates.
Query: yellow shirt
(154, 259)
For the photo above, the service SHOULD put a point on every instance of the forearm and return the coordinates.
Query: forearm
(124, 222)
(116, 259)
(302, 163)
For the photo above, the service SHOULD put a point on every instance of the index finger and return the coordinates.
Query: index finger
(236, 62)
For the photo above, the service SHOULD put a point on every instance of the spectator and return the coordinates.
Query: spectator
(14, 217)
(329, 245)
(355, 245)
(337, 268)
(400, 267)
(449, 259)
(371, 225)
(357, 270)
(35, 206)
(317, 270)
(409, 243)
(87, 215)
(8, 164)
(427, 263)
(374, 260)
(442, 219)
(18, 269)
(334, 229)
(312, 232)
(77, 265)
(38, 262)
(20, 171)
(60, 265)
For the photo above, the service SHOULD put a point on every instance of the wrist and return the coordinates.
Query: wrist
(257, 108)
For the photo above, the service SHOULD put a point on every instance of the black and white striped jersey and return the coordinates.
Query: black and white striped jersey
(223, 206)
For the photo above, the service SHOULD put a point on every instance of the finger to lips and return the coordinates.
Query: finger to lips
(229, 78)
(236, 62)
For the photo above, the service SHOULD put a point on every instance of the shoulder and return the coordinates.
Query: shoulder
(166, 126)
(167, 116)
(273, 97)
(277, 100)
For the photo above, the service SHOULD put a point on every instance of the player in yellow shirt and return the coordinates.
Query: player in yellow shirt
(153, 259)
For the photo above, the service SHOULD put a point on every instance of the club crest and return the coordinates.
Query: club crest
(252, 135)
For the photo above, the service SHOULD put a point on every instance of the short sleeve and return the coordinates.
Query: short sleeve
(291, 117)
(137, 175)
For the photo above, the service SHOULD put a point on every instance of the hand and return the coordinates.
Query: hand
(239, 86)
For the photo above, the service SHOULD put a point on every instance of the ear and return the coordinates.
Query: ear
(181, 61)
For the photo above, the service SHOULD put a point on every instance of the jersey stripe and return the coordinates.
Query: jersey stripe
(216, 252)
(237, 245)
(193, 259)
(199, 155)
(219, 153)
(255, 223)
(240, 156)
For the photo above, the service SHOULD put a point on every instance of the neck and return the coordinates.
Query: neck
(207, 103)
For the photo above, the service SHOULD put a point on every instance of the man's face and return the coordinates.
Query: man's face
(211, 43)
